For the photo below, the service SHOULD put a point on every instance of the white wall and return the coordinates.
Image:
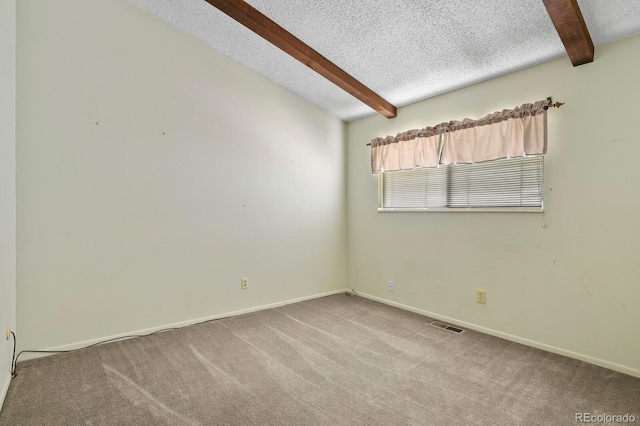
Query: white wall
(572, 285)
(7, 187)
(153, 174)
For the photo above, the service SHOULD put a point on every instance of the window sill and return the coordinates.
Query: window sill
(464, 210)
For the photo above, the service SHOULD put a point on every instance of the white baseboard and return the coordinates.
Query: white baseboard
(85, 343)
(4, 390)
(549, 348)
(560, 351)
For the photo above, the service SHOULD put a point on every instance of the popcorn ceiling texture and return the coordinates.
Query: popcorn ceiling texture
(405, 51)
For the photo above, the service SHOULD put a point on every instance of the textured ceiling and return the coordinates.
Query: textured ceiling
(404, 50)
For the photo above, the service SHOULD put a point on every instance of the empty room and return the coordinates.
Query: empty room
(336, 213)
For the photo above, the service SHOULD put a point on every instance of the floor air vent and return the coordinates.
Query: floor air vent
(446, 326)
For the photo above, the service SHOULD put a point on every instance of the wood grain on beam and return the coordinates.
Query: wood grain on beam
(573, 32)
(281, 38)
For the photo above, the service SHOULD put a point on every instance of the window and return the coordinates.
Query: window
(512, 184)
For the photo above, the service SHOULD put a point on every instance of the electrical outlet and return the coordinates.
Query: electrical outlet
(481, 296)
(244, 283)
(392, 286)
(8, 333)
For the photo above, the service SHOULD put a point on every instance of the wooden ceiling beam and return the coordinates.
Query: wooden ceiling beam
(567, 18)
(260, 24)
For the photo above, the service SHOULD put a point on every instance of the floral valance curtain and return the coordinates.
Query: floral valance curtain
(505, 134)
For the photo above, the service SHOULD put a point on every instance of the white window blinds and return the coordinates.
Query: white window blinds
(513, 184)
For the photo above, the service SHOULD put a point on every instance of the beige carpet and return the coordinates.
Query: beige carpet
(338, 360)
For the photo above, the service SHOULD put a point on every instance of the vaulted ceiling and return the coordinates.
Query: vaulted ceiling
(403, 50)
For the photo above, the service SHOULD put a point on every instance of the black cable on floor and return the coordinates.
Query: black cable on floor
(14, 359)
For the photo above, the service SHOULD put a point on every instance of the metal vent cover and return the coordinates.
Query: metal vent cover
(446, 326)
